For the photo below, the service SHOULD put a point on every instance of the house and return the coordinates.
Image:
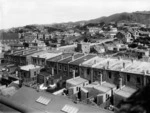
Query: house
(40, 59)
(21, 56)
(28, 74)
(75, 64)
(30, 39)
(52, 63)
(75, 84)
(9, 38)
(9, 56)
(26, 56)
(17, 46)
(40, 37)
(122, 94)
(88, 71)
(83, 47)
(49, 75)
(98, 49)
(63, 69)
(47, 37)
(100, 94)
(125, 37)
(46, 78)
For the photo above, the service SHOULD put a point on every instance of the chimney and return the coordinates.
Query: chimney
(132, 60)
(12, 52)
(52, 71)
(124, 65)
(100, 81)
(72, 57)
(119, 58)
(23, 52)
(94, 61)
(74, 73)
(107, 64)
(120, 82)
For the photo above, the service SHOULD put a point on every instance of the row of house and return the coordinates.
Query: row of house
(121, 76)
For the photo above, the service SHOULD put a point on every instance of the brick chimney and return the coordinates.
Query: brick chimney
(72, 57)
(100, 81)
(132, 60)
(120, 82)
(107, 64)
(52, 71)
(94, 61)
(124, 65)
(23, 52)
(74, 73)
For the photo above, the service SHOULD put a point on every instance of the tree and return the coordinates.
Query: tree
(25, 44)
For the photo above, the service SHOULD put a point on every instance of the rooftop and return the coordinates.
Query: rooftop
(105, 87)
(76, 81)
(60, 57)
(82, 59)
(6, 109)
(30, 53)
(28, 67)
(93, 61)
(27, 97)
(47, 55)
(125, 92)
(69, 59)
(139, 68)
(95, 88)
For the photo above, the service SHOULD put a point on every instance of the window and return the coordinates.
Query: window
(128, 78)
(109, 75)
(88, 71)
(77, 88)
(65, 68)
(55, 67)
(35, 73)
(43, 61)
(138, 80)
(70, 69)
(59, 67)
(76, 69)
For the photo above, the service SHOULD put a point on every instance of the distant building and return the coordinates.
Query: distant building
(83, 47)
(125, 37)
(9, 38)
(40, 59)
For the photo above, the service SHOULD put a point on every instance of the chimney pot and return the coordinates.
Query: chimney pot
(72, 57)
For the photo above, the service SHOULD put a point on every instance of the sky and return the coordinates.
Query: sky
(14, 13)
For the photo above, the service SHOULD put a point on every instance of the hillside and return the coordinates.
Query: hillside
(139, 17)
